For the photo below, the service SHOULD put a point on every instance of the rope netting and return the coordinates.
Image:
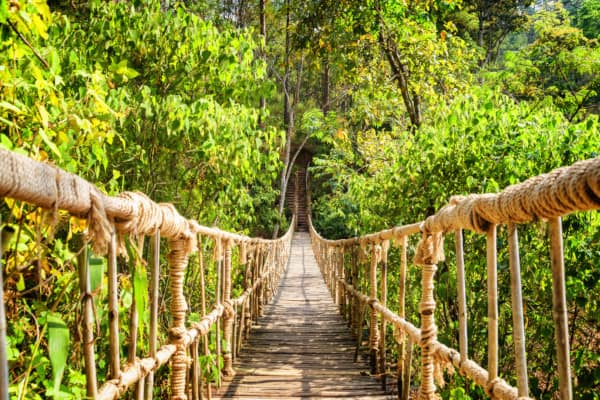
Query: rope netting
(132, 216)
(353, 264)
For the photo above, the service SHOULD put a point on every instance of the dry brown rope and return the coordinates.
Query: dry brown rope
(178, 260)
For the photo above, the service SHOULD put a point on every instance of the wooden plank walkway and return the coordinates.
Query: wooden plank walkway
(301, 348)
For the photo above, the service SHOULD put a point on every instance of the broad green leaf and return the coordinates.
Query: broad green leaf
(5, 142)
(58, 346)
(140, 282)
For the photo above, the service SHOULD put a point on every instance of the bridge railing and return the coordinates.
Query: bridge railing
(546, 197)
(117, 226)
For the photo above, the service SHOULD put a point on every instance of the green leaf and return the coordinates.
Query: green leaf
(5, 142)
(58, 346)
(11, 107)
(21, 283)
(3, 11)
(49, 143)
(96, 272)
(140, 282)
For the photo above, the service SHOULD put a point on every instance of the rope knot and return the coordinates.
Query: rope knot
(430, 249)
(489, 387)
(177, 335)
(145, 216)
(229, 311)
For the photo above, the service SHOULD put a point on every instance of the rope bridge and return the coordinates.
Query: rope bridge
(546, 197)
(349, 267)
(110, 219)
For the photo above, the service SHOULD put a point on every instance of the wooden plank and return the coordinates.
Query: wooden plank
(302, 348)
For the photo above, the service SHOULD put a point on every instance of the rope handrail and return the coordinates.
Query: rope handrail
(110, 219)
(546, 197)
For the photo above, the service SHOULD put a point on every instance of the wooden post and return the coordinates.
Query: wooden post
(384, 265)
(154, 286)
(113, 309)
(356, 324)
(89, 323)
(462, 297)
(405, 352)
(492, 286)
(229, 314)
(517, 311)
(3, 328)
(559, 309)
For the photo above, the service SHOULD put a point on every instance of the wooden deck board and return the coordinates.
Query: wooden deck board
(301, 348)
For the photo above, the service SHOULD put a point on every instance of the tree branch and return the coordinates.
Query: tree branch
(24, 40)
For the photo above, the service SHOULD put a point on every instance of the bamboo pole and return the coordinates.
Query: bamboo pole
(134, 324)
(3, 328)
(492, 286)
(517, 307)
(154, 286)
(404, 358)
(196, 393)
(462, 296)
(87, 300)
(219, 300)
(229, 314)
(384, 267)
(359, 337)
(356, 283)
(559, 309)
(113, 309)
(205, 338)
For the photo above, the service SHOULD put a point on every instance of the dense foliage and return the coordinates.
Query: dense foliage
(204, 104)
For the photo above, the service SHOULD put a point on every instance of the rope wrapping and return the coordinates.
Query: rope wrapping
(178, 260)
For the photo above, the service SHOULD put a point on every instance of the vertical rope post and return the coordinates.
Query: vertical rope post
(559, 309)
(517, 311)
(229, 313)
(113, 309)
(3, 329)
(492, 287)
(428, 332)
(178, 260)
(373, 329)
(87, 300)
(154, 285)
(462, 297)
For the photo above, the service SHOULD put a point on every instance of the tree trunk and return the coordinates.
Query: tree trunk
(411, 100)
(288, 117)
(325, 87)
(263, 55)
